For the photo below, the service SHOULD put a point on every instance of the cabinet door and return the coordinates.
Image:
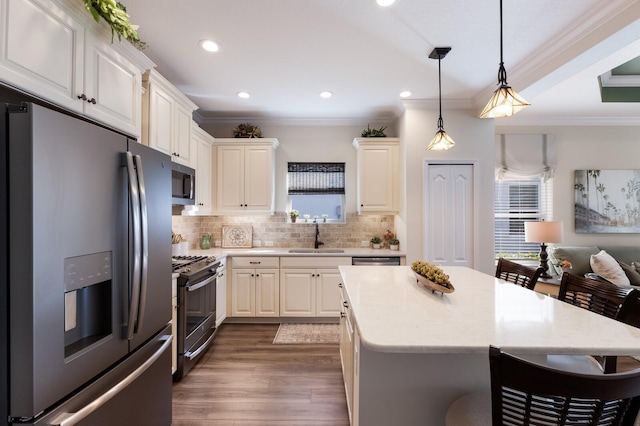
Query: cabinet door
(182, 136)
(375, 178)
(42, 50)
(297, 296)
(114, 84)
(203, 171)
(160, 120)
(243, 294)
(267, 293)
(327, 293)
(230, 172)
(258, 184)
(221, 297)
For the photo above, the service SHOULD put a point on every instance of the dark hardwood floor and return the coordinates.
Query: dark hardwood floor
(246, 380)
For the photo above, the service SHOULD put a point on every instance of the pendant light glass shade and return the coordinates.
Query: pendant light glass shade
(505, 101)
(441, 141)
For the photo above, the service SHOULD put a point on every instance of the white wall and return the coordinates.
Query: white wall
(474, 139)
(587, 148)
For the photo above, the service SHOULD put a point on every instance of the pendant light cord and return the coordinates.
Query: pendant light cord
(502, 72)
(440, 121)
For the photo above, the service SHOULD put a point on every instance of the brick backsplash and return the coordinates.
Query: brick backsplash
(282, 232)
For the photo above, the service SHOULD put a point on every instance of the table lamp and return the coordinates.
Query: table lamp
(543, 232)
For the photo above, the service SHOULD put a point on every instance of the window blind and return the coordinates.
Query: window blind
(315, 178)
(515, 202)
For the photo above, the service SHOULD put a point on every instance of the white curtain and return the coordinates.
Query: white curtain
(520, 156)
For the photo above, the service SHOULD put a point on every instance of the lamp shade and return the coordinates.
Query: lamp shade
(441, 141)
(504, 103)
(543, 232)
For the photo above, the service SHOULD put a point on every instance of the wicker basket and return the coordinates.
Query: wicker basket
(433, 286)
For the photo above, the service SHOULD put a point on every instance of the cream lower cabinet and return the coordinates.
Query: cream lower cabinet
(346, 350)
(309, 286)
(221, 292)
(255, 287)
(378, 175)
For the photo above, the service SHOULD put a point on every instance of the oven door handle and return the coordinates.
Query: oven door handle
(200, 284)
(191, 355)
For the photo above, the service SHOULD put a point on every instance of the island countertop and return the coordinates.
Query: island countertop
(394, 313)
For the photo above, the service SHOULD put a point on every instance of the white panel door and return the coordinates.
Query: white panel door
(328, 293)
(297, 297)
(267, 292)
(449, 214)
(257, 184)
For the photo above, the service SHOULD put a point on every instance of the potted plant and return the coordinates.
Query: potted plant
(293, 214)
(115, 14)
(374, 133)
(394, 244)
(376, 241)
(247, 130)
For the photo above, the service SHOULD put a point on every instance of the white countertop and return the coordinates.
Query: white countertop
(394, 313)
(278, 251)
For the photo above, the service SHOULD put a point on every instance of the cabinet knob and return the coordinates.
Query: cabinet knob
(361, 205)
(345, 304)
(340, 285)
(92, 101)
(83, 97)
(257, 275)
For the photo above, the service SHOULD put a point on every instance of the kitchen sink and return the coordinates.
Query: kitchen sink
(316, 251)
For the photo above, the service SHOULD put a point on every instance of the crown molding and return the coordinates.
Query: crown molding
(592, 29)
(517, 121)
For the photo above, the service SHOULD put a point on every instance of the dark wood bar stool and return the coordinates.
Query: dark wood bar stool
(525, 393)
(516, 273)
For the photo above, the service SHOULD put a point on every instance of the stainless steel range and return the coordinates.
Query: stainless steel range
(196, 308)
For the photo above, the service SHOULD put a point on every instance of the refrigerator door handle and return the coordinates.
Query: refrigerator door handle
(144, 228)
(70, 419)
(135, 214)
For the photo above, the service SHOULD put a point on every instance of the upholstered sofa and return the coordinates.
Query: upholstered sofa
(628, 257)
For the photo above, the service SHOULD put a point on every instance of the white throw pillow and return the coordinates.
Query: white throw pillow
(608, 268)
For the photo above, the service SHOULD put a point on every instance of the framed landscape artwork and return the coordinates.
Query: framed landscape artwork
(607, 201)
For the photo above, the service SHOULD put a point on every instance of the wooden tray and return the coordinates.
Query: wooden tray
(433, 286)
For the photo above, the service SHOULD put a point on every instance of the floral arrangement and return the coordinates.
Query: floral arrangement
(373, 133)
(376, 240)
(115, 14)
(394, 241)
(324, 217)
(247, 130)
(306, 217)
(294, 213)
(563, 263)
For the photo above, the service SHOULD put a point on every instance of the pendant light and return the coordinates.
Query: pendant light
(505, 101)
(441, 140)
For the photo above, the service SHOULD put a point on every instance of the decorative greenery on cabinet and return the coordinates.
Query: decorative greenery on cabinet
(115, 14)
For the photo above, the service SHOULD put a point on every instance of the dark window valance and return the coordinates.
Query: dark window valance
(315, 178)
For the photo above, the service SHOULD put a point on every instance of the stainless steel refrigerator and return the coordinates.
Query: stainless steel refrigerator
(86, 273)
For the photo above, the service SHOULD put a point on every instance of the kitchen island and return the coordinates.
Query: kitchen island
(413, 352)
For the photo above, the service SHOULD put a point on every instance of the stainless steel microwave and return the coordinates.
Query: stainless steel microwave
(183, 184)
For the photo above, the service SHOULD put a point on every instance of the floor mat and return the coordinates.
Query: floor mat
(307, 333)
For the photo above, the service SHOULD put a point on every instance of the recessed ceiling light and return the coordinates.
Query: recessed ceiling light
(209, 45)
(405, 94)
(243, 95)
(326, 94)
(385, 3)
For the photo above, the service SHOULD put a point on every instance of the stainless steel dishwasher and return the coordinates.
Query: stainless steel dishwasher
(376, 261)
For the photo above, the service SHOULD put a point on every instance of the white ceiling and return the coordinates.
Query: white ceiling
(285, 52)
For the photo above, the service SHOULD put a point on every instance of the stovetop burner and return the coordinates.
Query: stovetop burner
(181, 263)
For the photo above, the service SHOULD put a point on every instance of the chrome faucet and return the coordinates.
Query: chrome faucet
(317, 243)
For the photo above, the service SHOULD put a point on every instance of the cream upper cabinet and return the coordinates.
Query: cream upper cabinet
(245, 175)
(378, 180)
(204, 163)
(167, 118)
(85, 73)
